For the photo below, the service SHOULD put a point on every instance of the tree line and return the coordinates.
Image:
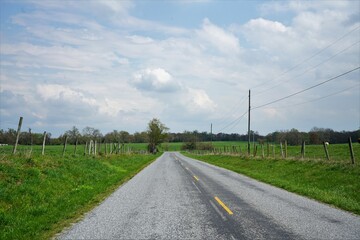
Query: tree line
(315, 136)
(293, 137)
(155, 134)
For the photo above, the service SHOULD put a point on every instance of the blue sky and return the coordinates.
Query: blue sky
(118, 64)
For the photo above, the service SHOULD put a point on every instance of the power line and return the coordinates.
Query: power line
(320, 98)
(309, 58)
(306, 89)
(236, 121)
(311, 68)
(235, 108)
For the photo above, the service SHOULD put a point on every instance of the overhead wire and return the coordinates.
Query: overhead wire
(234, 122)
(231, 111)
(310, 69)
(238, 121)
(309, 58)
(320, 98)
(306, 89)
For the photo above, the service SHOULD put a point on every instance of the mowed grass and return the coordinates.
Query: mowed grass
(40, 195)
(334, 183)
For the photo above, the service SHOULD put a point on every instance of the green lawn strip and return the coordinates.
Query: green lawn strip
(39, 196)
(337, 184)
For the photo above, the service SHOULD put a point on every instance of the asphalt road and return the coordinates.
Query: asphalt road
(180, 198)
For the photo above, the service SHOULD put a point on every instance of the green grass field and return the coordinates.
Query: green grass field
(40, 195)
(337, 152)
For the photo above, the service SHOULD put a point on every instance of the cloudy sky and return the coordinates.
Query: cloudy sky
(118, 64)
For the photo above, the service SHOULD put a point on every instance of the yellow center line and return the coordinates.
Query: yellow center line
(196, 178)
(224, 206)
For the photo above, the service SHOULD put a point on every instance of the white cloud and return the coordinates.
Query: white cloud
(265, 25)
(60, 92)
(125, 69)
(272, 7)
(155, 79)
(224, 41)
(60, 57)
(117, 6)
(140, 39)
(199, 100)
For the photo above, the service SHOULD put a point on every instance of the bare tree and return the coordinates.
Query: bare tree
(73, 134)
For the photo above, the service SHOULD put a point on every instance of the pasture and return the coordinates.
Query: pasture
(42, 194)
(337, 152)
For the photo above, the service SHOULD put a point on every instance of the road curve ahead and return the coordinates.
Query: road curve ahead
(181, 198)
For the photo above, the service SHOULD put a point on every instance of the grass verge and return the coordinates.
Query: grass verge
(337, 184)
(39, 196)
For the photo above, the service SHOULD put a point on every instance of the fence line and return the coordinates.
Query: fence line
(283, 152)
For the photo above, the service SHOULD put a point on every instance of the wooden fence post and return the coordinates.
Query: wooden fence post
(43, 145)
(31, 141)
(85, 147)
(285, 145)
(17, 135)
(267, 150)
(303, 149)
(90, 147)
(255, 150)
(66, 138)
(351, 151)
(76, 143)
(273, 150)
(281, 149)
(95, 147)
(326, 150)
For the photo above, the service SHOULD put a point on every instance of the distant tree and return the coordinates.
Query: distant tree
(73, 134)
(124, 137)
(319, 135)
(91, 133)
(140, 137)
(112, 137)
(190, 136)
(48, 138)
(314, 137)
(8, 137)
(189, 145)
(190, 140)
(294, 137)
(157, 133)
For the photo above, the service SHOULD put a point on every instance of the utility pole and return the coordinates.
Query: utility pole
(249, 125)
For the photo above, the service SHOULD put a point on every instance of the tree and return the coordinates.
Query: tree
(91, 133)
(294, 137)
(73, 134)
(124, 137)
(112, 136)
(157, 133)
(140, 137)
